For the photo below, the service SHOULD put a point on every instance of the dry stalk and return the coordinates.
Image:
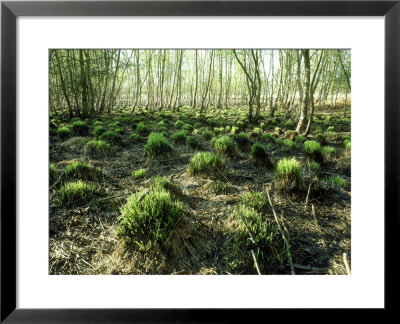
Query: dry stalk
(346, 264)
(283, 234)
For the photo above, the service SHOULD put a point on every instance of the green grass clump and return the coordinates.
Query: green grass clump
(149, 219)
(288, 123)
(118, 130)
(267, 243)
(179, 124)
(312, 147)
(266, 137)
(224, 145)
(142, 129)
(218, 187)
(242, 139)
(321, 138)
(278, 131)
(278, 141)
(159, 182)
(217, 131)
(192, 142)
(156, 145)
(240, 124)
(331, 136)
(93, 147)
(180, 136)
(255, 200)
(111, 137)
(234, 130)
(138, 174)
(134, 137)
(256, 132)
(337, 181)
(299, 139)
(63, 132)
(79, 128)
(187, 127)
(82, 170)
(288, 169)
(287, 145)
(330, 129)
(207, 135)
(206, 162)
(99, 130)
(348, 145)
(315, 166)
(263, 126)
(328, 151)
(76, 191)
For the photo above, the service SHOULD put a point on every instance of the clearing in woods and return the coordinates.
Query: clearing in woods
(205, 187)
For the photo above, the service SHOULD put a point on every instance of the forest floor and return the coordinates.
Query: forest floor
(82, 235)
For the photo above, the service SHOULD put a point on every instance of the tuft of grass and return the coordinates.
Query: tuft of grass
(288, 144)
(327, 151)
(255, 200)
(179, 124)
(224, 145)
(337, 181)
(256, 132)
(93, 147)
(258, 151)
(205, 162)
(218, 187)
(110, 137)
(312, 147)
(288, 169)
(52, 172)
(138, 174)
(142, 129)
(242, 139)
(207, 135)
(79, 128)
(234, 130)
(192, 142)
(267, 137)
(179, 137)
(299, 139)
(99, 130)
(267, 243)
(156, 145)
(315, 166)
(331, 135)
(76, 191)
(321, 138)
(348, 145)
(217, 131)
(134, 137)
(187, 127)
(82, 170)
(63, 132)
(149, 219)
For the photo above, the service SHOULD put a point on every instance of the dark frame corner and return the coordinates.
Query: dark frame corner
(10, 10)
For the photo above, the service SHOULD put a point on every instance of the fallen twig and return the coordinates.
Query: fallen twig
(346, 264)
(283, 234)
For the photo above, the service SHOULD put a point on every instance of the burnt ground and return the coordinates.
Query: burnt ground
(82, 235)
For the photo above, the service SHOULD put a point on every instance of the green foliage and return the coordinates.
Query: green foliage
(142, 129)
(52, 172)
(180, 136)
(218, 187)
(138, 174)
(76, 191)
(217, 131)
(192, 142)
(315, 166)
(287, 144)
(134, 137)
(337, 181)
(206, 162)
(278, 141)
(258, 151)
(149, 218)
(312, 147)
(348, 145)
(99, 130)
(159, 182)
(255, 200)
(224, 145)
(187, 127)
(79, 128)
(111, 137)
(242, 139)
(331, 136)
(328, 151)
(63, 132)
(82, 170)
(299, 139)
(240, 125)
(267, 243)
(288, 169)
(321, 138)
(99, 146)
(331, 129)
(289, 123)
(267, 137)
(179, 124)
(156, 145)
(119, 130)
(263, 126)
(256, 132)
(207, 135)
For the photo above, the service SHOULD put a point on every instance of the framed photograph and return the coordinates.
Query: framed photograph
(192, 160)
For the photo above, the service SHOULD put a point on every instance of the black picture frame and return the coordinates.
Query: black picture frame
(10, 10)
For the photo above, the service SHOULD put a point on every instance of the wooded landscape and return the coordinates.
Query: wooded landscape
(200, 161)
